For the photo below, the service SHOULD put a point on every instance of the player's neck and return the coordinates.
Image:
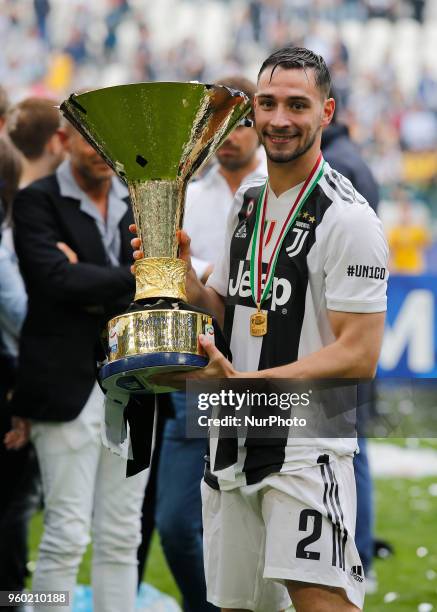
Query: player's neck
(283, 177)
(234, 178)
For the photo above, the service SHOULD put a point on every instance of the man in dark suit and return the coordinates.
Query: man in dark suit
(72, 293)
(343, 155)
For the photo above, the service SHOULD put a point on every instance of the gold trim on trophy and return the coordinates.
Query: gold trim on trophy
(154, 331)
(160, 277)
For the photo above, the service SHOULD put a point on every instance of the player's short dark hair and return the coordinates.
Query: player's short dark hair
(240, 83)
(300, 58)
(4, 101)
(31, 123)
(10, 171)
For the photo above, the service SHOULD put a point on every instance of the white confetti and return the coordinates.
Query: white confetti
(425, 607)
(389, 597)
(430, 574)
(422, 551)
(432, 489)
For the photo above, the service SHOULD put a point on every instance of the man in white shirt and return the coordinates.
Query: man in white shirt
(181, 462)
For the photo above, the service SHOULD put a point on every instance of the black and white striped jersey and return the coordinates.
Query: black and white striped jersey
(333, 258)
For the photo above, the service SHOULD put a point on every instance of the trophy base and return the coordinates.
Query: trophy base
(132, 374)
(150, 341)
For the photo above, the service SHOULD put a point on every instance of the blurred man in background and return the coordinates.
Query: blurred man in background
(343, 155)
(32, 125)
(181, 464)
(84, 206)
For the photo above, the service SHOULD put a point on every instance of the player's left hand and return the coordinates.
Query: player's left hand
(218, 367)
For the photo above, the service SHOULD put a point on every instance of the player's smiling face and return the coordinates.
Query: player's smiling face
(290, 112)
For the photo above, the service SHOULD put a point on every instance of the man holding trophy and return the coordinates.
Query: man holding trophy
(278, 520)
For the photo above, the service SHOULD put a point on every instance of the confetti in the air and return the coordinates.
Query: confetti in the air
(389, 597)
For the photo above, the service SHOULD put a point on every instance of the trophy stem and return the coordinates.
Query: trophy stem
(158, 211)
(157, 277)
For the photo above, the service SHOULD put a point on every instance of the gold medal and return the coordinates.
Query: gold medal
(258, 323)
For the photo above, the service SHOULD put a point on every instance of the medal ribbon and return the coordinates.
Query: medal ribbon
(258, 294)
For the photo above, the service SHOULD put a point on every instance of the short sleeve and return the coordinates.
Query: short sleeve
(355, 260)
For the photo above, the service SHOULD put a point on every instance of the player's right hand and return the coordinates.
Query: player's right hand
(184, 242)
(184, 247)
(136, 245)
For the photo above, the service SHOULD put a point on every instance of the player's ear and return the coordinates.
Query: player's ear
(328, 112)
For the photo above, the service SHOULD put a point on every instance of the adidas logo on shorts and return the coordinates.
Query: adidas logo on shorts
(357, 573)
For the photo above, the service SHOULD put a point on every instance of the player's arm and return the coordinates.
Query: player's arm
(353, 354)
(204, 297)
(353, 257)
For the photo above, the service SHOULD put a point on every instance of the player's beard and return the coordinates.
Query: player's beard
(284, 158)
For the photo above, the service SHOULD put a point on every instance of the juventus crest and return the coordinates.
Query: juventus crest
(300, 235)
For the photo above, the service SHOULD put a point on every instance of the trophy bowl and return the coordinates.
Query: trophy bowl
(155, 136)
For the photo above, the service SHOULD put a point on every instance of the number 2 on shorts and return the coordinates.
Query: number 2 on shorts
(301, 553)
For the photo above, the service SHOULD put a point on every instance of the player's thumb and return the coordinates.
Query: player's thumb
(208, 346)
(184, 245)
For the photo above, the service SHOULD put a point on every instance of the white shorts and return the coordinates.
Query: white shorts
(291, 526)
